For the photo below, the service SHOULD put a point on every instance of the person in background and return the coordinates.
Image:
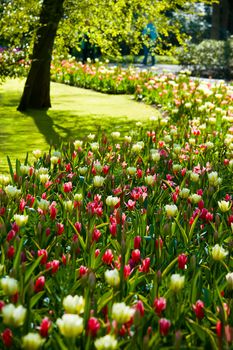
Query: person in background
(149, 37)
(87, 49)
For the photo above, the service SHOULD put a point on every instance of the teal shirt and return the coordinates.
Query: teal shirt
(151, 31)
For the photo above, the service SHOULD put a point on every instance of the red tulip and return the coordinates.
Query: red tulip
(44, 254)
(182, 260)
(164, 326)
(160, 305)
(7, 337)
(137, 242)
(136, 256)
(198, 308)
(39, 284)
(67, 186)
(93, 326)
(107, 258)
(44, 327)
(145, 265)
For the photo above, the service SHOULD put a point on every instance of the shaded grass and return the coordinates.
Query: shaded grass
(75, 113)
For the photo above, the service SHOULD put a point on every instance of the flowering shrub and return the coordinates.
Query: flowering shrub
(114, 241)
(209, 58)
(13, 63)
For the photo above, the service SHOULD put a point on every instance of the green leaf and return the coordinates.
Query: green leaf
(30, 270)
(10, 168)
(36, 298)
(182, 231)
(202, 331)
(17, 167)
(60, 342)
(104, 300)
(18, 254)
(192, 228)
(169, 267)
(116, 246)
(83, 245)
(194, 287)
(26, 159)
(75, 287)
(102, 225)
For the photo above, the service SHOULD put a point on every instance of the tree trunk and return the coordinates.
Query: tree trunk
(37, 87)
(225, 18)
(230, 24)
(215, 29)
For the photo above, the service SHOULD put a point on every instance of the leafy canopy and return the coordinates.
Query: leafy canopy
(107, 23)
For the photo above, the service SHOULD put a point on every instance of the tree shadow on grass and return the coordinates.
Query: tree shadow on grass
(64, 126)
(47, 127)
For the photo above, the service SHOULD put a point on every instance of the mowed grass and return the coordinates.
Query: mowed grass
(74, 114)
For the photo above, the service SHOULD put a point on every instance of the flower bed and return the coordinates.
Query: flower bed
(98, 76)
(116, 242)
(179, 95)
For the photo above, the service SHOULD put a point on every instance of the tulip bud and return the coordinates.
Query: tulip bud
(160, 305)
(137, 242)
(164, 326)
(107, 258)
(213, 178)
(171, 210)
(219, 253)
(112, 201)
(122, 313)
(67, 187)
(182, 260)
(9, 285)
(131, 170)
(112, 277)
(224, 206)
(10, 252)
(198, 308)
(32, 341)
(93, 326)
(21, 220)
(140, 308)
(177, 282)
(145, 266)
(39, 284)
(44, 254)
(106, 342)
(13, 316)
(136, 256)
(7, 337)
(74, 305)
(44, 327)
(70, 325)
(98, 181)
(229, 278)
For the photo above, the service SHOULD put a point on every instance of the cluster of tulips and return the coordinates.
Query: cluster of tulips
(122, 241)
(110, 79)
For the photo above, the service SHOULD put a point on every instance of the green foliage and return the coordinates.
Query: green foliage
(106, 23)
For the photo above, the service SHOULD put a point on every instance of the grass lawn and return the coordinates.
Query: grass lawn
(75, 113)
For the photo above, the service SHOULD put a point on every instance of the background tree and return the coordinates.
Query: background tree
(41, 25)
(222, 19)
